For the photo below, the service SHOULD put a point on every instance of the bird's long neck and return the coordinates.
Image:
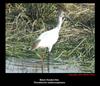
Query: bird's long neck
(60, 21)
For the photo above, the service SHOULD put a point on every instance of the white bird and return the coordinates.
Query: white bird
(49, 38)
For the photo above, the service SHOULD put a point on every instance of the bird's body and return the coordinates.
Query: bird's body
(48, 39)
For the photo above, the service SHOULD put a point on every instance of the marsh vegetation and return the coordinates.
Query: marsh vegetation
(76, 44)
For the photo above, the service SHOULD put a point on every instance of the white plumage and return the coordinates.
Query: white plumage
(49, 38)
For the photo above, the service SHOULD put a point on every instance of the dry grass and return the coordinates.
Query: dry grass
(24, 23)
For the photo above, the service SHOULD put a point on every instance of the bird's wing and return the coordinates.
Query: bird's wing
(43, 35)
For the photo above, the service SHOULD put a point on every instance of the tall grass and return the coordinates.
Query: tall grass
(26, 21)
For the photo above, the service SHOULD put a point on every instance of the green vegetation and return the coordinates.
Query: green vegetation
(25, 22)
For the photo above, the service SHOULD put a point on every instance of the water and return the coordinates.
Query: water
(15, 65)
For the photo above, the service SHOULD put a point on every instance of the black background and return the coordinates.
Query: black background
(28, 79)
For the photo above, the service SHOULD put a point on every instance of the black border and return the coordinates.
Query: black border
(71, 79)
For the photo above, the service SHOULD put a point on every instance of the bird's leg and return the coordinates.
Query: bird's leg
(42, 59)
(42, 63)
(49, 58)
(48, 62)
